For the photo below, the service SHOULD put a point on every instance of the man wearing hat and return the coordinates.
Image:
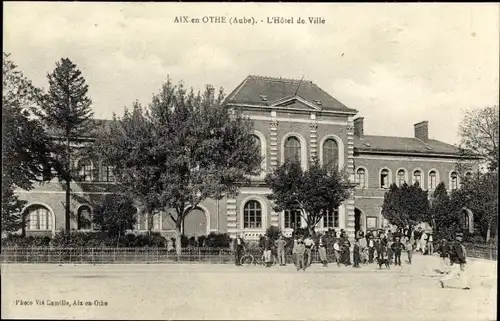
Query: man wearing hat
(458, 259)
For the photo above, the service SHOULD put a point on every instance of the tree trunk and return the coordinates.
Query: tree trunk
(178, 239)
(68, 187)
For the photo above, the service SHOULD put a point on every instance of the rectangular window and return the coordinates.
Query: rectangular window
(156, 222)
(331, 219)
(292, 219)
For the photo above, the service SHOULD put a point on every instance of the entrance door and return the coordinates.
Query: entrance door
(358, 222)
(195, 223)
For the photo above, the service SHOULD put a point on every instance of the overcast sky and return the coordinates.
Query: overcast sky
(397, 64)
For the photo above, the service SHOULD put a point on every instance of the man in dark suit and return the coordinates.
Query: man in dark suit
(458, 261)
(238, 247)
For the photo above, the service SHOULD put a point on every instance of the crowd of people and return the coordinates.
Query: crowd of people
(378, 247)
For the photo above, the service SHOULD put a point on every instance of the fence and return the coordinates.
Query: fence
(124, 255)
(105, 255)
(482, 251)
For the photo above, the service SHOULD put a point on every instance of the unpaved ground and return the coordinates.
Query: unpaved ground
(228, 292)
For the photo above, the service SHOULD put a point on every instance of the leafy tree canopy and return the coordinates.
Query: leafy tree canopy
(179, 150)
(406, 205)
(314, 191)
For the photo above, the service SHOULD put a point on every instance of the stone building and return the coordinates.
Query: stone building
(292, 119)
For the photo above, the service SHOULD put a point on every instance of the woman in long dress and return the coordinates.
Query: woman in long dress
(346, 253)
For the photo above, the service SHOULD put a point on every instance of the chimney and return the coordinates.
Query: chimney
(358, 127)
(422, 131)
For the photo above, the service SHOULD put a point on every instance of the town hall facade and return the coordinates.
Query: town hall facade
(292, 119)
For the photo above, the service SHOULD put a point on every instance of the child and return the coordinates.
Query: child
(355, 254)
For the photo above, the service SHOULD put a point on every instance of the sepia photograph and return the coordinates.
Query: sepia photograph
(250, 161)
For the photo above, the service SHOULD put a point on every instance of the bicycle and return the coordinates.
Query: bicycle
(249, 259)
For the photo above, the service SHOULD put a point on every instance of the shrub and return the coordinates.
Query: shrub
(218, 240)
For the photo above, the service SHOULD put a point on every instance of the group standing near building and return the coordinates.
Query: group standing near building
(371, 247)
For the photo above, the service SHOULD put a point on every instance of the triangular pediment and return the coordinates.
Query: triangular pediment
(295, 102)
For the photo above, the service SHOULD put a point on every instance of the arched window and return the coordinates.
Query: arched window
(417, 177)
(292, 149)
(84, 218)
(292, 219)
(401, 177)
(107, 173)
(38, 218)
(454, 181)
(330, 153)
(360, 177)
(331, 219)
(252, 215)
(432, 180)
(85, 170)
(384, 178)
(466, 220)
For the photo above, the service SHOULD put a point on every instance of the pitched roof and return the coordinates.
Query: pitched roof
(370, 143)
(253, 87)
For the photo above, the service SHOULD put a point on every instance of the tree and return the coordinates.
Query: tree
(444, 214)
(25, 146)
(313, 192)
(406, 205)
(479, 194)
(117, 214)
(181, 150)
(66, 111)
(479, 134)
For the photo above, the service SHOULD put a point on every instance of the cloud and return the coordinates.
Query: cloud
(413, 62)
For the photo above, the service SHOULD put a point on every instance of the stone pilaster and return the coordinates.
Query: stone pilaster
(313, 127)
(273, 150)
(350, 169)
(232, 217)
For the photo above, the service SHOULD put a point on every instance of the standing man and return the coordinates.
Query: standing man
(300, 250)
(309, 244)
(267, 251)
(294, 249)
(280, 244)
(322, 251)
(443, 249)
(238, 247)
(409, 247)
(336, 251)
(397, 247)
(458, 259)
(371, 249)
(430, 243)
